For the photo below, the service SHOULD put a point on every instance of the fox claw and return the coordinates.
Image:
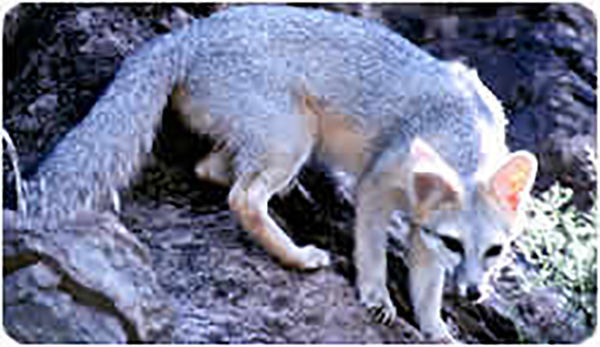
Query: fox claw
(381, 315)
(379, 305)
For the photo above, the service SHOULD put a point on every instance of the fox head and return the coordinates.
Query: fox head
(466, 223)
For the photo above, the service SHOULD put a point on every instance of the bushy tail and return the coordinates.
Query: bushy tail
(105, 151)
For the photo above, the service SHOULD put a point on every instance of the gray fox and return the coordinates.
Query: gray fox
(274, 84)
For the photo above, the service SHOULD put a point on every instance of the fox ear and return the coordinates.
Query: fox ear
(514, 179)
(433, 184)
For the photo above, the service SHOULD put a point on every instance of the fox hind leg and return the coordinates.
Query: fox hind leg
(258, 178)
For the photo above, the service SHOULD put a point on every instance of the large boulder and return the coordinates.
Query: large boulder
(86, 281)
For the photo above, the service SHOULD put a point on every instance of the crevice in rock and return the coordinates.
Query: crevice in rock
(12, 264)
(89, 297)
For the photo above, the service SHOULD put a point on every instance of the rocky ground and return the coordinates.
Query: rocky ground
(186, 271)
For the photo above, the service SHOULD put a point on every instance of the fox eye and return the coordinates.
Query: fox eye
(493, 251)
(452, 244)
(427, 230)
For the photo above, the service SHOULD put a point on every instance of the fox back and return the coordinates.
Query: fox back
(370, 88)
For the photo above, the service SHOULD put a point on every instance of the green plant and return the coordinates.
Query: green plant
(560, 243)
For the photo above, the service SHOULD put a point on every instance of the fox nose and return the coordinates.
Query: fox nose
(473, 293)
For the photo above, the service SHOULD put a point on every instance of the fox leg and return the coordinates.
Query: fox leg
(215, 167)
(250, 195)
(426, 281)
(374, 207)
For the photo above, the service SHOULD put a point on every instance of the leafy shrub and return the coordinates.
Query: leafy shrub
(560, 243)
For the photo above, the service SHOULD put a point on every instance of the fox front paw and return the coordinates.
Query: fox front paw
(313, 258)
(378, 303)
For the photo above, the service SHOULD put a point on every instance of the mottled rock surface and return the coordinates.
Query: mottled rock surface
(87, 280)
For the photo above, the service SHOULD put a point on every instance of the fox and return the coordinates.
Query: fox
(273, 85)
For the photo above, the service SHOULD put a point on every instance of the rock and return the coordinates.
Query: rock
(37, 310)
(541, 314)
(87, 281)
(44, 105)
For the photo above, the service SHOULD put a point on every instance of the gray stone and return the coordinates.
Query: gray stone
(90, 264)
(37, 310)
